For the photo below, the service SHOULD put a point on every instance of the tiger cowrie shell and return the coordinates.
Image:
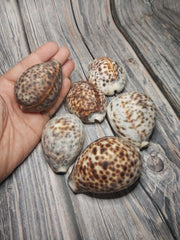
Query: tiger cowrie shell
(107, 165)
(38, 87)
(107, 75)
(62, 141)
(87, 102)
(132, 116)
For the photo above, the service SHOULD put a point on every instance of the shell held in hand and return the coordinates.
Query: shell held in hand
(87, 102)
(132, 116)
(62, 141)
(107, 75)
(38, 87)
(107, 165)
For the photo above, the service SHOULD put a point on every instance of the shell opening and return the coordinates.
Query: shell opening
(62, 169)
(72, 185)
(99, 117)
(144, 144)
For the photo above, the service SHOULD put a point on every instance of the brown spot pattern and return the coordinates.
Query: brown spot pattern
(132, 116)
(84, 99)
(107, 75)
(38, 87)
(104, 174)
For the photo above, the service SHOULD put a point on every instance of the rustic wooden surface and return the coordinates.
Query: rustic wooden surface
(144, 35)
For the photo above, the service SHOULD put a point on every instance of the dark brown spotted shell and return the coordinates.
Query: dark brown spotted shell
(107, 75)
(107, 165)
(38, 87)
(87, 102)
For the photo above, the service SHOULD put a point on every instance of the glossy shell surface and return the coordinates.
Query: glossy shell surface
(87, 102)
(107, 165)
(38, 87)
(62, 141)
(107, 75)
(132, 116)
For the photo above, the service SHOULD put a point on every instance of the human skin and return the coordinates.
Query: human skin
(20, 132)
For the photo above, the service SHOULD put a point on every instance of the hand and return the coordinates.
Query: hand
(20, 132)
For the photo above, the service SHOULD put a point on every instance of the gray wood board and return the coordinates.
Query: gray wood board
(153, 30)
(35, 203)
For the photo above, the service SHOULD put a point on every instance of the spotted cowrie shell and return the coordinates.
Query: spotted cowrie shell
(107, 75)
(62, 141)
(38, 87)
(132, 116)
(87, 102)
(107, 165)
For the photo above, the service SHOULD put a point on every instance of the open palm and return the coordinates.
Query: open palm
(20, 132)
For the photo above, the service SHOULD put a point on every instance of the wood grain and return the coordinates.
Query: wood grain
(153, 29)
(13, 44)
(35, 203)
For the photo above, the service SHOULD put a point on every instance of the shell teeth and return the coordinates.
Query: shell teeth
(144, 144)
(107, 75)
(96, 117)
(62, 141)
(87, 102)
(107, 165)
(132, 117)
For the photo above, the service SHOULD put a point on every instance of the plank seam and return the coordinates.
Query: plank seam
(70, 204)
(23, 26)
(143, 60)
(160, 213)
(79, 30)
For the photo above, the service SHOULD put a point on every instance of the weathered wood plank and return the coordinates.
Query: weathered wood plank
(26, 211)
(153, 29)
(13, 46)
(35, 202)
(160, 179)
(114, 45)
(31, 210)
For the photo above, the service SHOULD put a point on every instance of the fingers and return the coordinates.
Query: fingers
(64, 91)
(42, 54)
(62, 55)
(68, 68)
